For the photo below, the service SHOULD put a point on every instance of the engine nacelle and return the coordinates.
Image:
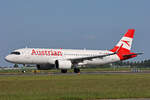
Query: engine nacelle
(63, 64)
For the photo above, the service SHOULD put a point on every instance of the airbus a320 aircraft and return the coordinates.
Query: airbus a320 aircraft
(65, 59)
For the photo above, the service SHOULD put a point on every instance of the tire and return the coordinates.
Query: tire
(76, 70)
(63, 70)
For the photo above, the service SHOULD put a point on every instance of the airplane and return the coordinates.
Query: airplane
(65, 59)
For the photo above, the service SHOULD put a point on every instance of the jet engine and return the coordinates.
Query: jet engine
(63, 64)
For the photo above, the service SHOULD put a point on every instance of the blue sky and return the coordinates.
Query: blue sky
(91, 24)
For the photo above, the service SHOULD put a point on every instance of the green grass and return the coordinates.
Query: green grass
(74, 87)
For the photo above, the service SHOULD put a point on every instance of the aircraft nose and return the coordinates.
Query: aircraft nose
(8, 58)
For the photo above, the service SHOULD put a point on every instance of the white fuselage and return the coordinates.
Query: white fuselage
(49, 56)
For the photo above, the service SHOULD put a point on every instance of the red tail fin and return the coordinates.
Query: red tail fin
(126, 40)
(125, 44)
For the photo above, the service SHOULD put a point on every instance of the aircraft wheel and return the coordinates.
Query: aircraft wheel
(23, 71)
(76, 70)
(63, 70)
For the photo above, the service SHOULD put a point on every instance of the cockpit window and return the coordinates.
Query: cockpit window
(16, 53)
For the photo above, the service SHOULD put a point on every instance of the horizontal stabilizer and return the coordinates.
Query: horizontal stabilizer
(135, 54)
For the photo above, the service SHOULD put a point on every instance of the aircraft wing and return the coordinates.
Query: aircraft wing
(81, 59)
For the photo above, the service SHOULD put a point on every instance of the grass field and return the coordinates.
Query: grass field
(74, 87)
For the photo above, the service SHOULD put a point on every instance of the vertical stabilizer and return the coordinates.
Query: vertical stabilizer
(125, 42)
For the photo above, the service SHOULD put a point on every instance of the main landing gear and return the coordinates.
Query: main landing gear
(76, 70)
(63, 70)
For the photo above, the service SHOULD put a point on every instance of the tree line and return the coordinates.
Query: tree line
(139, 64)
(131, 64)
